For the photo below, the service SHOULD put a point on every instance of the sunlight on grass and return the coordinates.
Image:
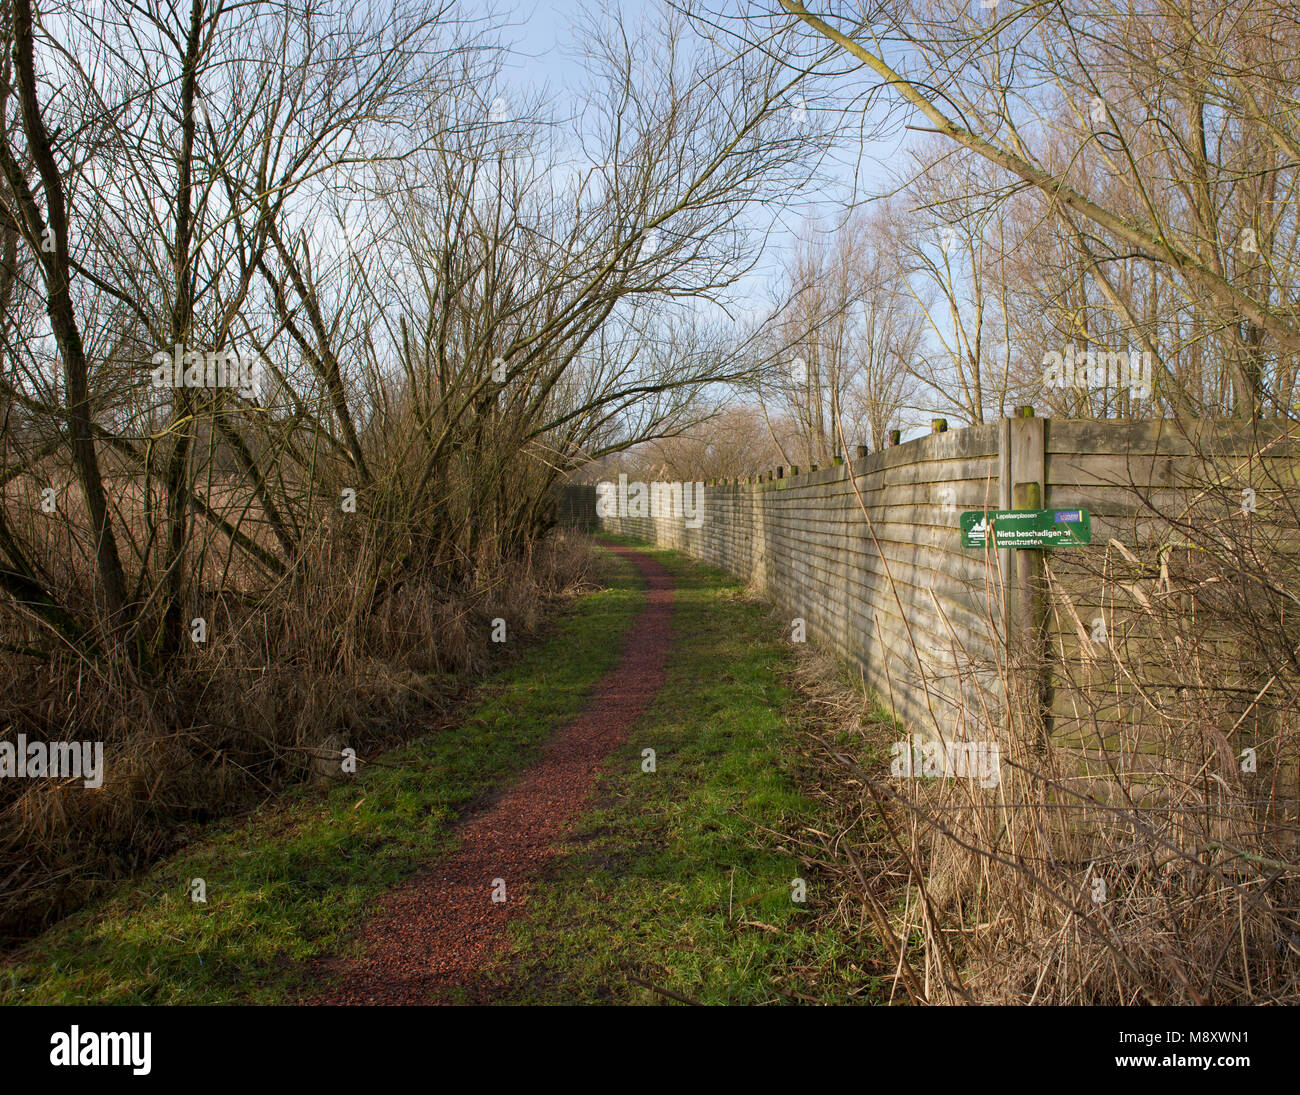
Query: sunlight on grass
(291, 882)
(675, 878)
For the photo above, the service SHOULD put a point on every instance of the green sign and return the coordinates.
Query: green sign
(1027, 528)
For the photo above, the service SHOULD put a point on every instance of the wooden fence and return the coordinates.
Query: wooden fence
(868, 558)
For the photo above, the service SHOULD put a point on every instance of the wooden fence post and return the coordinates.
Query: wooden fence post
(1023, 476)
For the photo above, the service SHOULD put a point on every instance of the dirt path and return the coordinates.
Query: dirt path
(430, 936)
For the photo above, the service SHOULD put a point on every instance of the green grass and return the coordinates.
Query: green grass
(675, 878)
(292, 882)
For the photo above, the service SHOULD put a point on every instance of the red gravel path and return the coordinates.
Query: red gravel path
(430, 935)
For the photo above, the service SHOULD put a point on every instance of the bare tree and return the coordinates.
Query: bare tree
(1134, 79)
(843, 343)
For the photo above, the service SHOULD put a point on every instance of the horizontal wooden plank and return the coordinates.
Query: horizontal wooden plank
(873, 585)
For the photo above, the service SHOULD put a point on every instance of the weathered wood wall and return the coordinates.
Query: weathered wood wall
(1132, 647)
(869, 555)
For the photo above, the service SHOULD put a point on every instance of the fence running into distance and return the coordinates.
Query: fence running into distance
(869, 555)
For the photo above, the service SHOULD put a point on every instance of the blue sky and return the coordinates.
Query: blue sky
(543, 36)
(869, 161)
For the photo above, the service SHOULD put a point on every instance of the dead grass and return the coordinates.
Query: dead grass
(286, 679)
(1141, 847)
(843, 732)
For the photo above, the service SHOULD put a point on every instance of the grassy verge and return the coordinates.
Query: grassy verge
(291, 882)
(681, 879)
